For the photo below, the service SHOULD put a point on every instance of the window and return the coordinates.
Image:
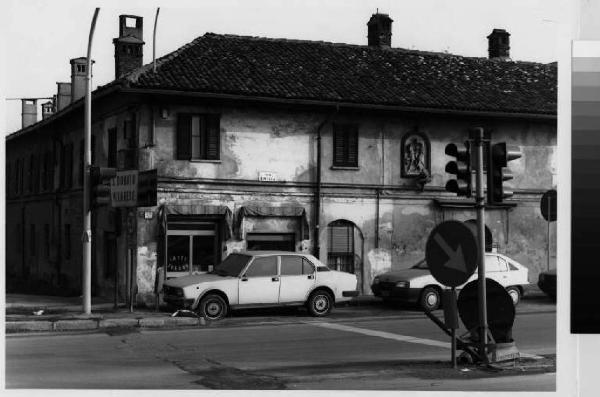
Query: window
(112, 147)
(36, 173)
(81, 162)
(198, 137)
(50, 170)
(345, 145)
(32, 240)
(30, 174)
(295, 266)
(263, 267)
(67, 241)
(69, 166)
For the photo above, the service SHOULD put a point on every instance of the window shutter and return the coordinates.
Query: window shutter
(352, 142)
(338, 145)
(341, 239)
(184, 137)
(213, 136)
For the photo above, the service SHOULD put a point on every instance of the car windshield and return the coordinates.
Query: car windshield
(232, 265)
(421, 265)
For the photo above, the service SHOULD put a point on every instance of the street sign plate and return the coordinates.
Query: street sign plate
(548, 205)
(451, 253)
(123, 189)
(500, 309)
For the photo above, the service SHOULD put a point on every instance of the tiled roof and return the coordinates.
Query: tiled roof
(311, 70)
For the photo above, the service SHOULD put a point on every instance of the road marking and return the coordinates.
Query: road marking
(381, 334)
(397, 337)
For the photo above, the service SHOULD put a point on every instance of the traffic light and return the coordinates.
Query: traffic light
(462, 185)
(100, 185)
(499, 157)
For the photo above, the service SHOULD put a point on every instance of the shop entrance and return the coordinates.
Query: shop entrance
(271, 242)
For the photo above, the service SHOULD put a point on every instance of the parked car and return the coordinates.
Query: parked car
(417, 285)
(261, 279)
(547, 282)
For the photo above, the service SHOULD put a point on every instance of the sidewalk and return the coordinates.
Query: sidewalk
(38, 313)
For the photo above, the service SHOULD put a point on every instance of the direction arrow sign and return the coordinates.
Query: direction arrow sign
(451, 253)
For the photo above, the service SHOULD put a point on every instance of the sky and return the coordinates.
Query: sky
(41, 36)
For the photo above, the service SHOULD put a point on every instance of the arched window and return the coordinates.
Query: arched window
(344, 241)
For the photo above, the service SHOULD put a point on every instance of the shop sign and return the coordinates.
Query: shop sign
(124, 188)
(267, 176)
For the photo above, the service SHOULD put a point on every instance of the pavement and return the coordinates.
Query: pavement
(39, 313)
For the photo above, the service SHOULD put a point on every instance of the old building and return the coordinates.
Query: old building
(265, 143)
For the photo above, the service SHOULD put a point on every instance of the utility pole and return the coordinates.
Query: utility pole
(87, 216)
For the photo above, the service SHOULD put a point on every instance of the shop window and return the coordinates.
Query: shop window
(263, 267)
(345, 145)
(198, 136)
(271, 242)
(192, 247)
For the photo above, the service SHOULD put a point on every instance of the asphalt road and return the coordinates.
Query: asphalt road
(373, 349)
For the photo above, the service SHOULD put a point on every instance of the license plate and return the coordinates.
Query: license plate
(385, 293)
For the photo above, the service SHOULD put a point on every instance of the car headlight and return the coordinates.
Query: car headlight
(376, 280)
(402, 284)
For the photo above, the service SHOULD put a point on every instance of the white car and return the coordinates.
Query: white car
(260, 279)
(418, 285)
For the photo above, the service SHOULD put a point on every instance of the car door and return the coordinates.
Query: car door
(297, 278)
(260, 282)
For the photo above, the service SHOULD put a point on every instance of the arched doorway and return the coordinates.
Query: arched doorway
(472, 224)
(345, 248)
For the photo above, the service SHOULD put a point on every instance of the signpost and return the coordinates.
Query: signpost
(548, 208)
(451, 255)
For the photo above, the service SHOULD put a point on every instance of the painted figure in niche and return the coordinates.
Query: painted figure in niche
(414, 156)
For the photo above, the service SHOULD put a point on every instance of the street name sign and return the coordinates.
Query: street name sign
(123, 189)
(451, 253)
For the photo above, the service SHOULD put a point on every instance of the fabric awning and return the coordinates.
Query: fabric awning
(197, 209)
(278, 211)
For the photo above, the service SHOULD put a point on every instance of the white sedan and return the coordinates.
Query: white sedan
(418, 285)
(261, 279)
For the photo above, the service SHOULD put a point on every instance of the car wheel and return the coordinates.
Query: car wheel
(213, 307)
(430, 298)
(320, 303)
(515, 294)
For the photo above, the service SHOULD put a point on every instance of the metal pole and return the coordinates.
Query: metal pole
(154, 41)
(480, 204)
(453, 336)
(548, 234)
(87, 216)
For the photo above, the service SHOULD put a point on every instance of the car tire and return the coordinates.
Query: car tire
(515, 294)
(213, 307)
(320, 303)
(430, 298)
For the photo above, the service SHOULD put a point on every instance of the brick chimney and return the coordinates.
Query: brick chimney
(28, 112)
(129, 45)
(47, 109)
(380, 30)
(499, 45)
(78, 73)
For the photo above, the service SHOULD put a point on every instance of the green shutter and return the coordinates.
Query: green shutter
(213, 136)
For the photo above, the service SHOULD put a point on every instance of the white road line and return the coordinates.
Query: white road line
(381, 334)
(397, 337)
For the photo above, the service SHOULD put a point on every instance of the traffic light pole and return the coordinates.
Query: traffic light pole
(87, 215)
(480, 205)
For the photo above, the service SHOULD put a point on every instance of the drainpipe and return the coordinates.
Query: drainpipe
(318, 187)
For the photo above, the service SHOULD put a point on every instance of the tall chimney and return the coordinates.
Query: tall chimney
(63, 95)
(129, 45)
(28, 112)
(499, 45)
(380, 30)
(78, 73)
(47, 109)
